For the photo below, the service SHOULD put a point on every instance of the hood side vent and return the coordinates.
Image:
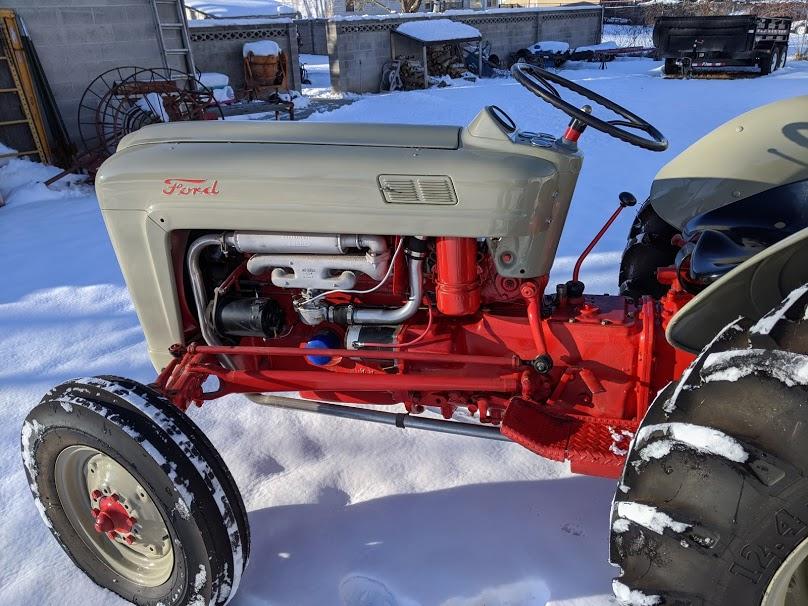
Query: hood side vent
(417, 189)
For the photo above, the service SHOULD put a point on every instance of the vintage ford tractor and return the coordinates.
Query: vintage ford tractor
(390, 265)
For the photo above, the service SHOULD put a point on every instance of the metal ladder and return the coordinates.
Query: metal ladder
(177, 24)
(13, 59)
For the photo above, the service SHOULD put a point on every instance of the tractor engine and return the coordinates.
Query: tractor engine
(430, 323)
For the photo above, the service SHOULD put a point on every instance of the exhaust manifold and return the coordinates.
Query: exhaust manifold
(313, 261)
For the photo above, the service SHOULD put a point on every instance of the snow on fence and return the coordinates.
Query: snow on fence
(358, 47)
(218, 45)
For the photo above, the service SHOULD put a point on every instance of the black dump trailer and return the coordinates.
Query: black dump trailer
(688, 43)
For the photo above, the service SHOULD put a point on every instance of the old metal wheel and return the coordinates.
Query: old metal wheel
(86, 479)
(135, 493)
(789, 586)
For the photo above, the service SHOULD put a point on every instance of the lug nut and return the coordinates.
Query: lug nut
(96, 494)
(95, 512)
(129, 539)
(112, 535)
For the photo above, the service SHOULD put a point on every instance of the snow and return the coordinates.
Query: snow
(465, 12)
(632, 597)
(195, 23)
(550, 46)
(340, 509)
(214, 79)
(765, 325)
(262, 48)
(698, 437)
(788, 367)
(435, 30)
(648, 517)
(224, 9)
(609, 45)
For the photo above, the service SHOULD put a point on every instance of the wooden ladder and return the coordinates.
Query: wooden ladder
(21, 123)
(172, 33)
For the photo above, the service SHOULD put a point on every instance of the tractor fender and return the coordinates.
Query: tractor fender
(754, 152)
(751, 290)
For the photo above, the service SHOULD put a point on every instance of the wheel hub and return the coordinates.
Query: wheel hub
(111, 517)
(114, 515)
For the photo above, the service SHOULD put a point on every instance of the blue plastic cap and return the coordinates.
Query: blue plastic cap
(322, 340)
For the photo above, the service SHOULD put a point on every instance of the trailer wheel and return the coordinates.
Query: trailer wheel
(711, 508)
(135, 494)
(783, 56)
(670, 68)
(768, 63)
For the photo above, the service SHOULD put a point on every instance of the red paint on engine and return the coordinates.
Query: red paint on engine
(609, 355)
(457, 284)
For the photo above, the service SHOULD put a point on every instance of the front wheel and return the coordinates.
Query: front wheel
(712, 508)
(135, 494)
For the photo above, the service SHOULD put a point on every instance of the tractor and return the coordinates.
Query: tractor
(399, 274)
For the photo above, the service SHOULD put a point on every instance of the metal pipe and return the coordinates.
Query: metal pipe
(402, 420)
(508, 361)
(318, 380)
(398, 314)
(286, 243)
(198, 288)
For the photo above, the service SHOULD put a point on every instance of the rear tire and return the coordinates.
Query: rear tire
(112, 448)
(670, 68)
(712, 502)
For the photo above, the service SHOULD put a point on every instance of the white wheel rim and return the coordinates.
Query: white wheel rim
(148, 559)
(789, 586)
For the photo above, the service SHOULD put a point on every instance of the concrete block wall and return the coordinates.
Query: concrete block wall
(217, 45)
(359, 47)
(312, 36)
(78, 40)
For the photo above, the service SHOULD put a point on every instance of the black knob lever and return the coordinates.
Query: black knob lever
(627, 199)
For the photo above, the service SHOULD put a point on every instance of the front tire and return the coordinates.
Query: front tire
(135, 494)
(712, 507)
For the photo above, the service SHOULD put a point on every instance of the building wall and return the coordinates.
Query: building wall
(312, 36)
(78, 42)
(359, 47)
(217, 45)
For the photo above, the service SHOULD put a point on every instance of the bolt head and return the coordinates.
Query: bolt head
(96, 494)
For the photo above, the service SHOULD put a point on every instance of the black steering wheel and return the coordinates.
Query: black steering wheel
(540, 82)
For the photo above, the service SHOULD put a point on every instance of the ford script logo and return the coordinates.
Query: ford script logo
(191, 187)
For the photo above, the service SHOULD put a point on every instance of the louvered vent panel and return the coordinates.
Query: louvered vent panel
(415, 189)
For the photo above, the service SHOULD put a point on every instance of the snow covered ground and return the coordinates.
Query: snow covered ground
(344, 514)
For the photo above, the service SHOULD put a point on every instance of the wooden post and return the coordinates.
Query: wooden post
(426, 68)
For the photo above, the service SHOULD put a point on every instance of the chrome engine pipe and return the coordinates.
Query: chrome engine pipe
(402, 420)
(399, 314)
(316, 244)
(315, 270)
(198, 288)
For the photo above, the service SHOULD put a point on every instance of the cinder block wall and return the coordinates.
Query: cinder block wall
(312, 36)
(77, 40)
(217, 45)
(358, 47)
